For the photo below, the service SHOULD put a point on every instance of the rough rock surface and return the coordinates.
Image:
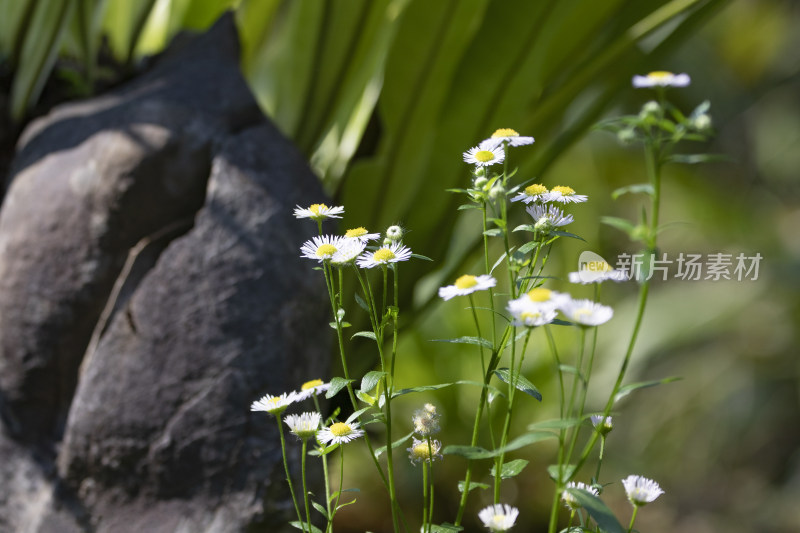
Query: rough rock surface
(150, 289)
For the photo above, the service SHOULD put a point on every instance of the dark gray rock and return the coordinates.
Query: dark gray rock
(150, 289)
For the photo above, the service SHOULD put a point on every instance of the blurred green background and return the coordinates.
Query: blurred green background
(383, 96)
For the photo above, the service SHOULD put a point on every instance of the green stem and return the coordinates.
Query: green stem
(305, 488)
(324, 458)
(430, 481)
(425, 496)
(288, 476)
(600, 458)
(633, 518)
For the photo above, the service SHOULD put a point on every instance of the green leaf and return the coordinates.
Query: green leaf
(557, 423)
(644, 188)
(520, 382)
(356, 414)
(619, 223)
(560, 472)
(337, 384)
(464, 207)
(476, 452)
(472, 486)
(494, 232)
(499, 260)
(338, 492)
(627, 389)
(361, 303)
(365, 334)
(371, 379)
(510, 469)
(305, 527)
(525, 227)
(567, 234)
(343, 325)
(445, 528)
(321, 509)
(366, 398)
(480, 341)
(395, 444)
(527, 247)
(598, 510)
(426, 388)
(423, 257)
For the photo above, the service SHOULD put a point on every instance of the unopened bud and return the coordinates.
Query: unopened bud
(394, 233)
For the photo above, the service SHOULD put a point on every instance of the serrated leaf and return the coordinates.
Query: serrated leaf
(480, 341)
(520, 382)
(560, 472)
(337, 384)
(510, 469)
(395, 444)
(476, 452)
(371, 379)
(365, 334)
(627, 389)
(644, 188)
(598, 510)
(472, 485)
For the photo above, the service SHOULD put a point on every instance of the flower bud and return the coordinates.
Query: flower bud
(394, 233)
(701, 122)
(480, 183)
(626, 136)
(497, 192)
(650, 109)
(479, 172)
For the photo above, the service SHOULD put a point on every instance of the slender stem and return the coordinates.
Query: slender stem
(633, 518)
(425, 522)
(341, 481)
(478, 330)
(288, 476)
(600, 458)
(324, 458)
(305, 488)
(430, 481)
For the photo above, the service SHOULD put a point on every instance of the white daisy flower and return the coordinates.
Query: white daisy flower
(318, 212)
(641, 490)
(604, 423)
(586, 312)
(539, 298)
(484, 156)
(274, 405)
(524, 317)
(467, 284)
(362, 234)
(340, 433)
(305, 425)
(499, 517)
(388, 254)
(506, 135)
(532, 193)
(661, 78)
(565, 195)
(421, 452)
(322, 248)
(315, 387)
(570, 500)
(348, 251)
(548, 216)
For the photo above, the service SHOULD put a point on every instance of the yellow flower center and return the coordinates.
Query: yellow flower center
(356, 232)
(311, 384)
(274, 401)
(660, 75)
(536, 188)
(530, 315)
(565, 191)
(326, 250)
(422, 451)
(539, 295)
(466, 281)
(382, 255)
(484, 155)
(499, 520)
(316, 208)
(582, 312)
(340, 429)
(505, 132)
